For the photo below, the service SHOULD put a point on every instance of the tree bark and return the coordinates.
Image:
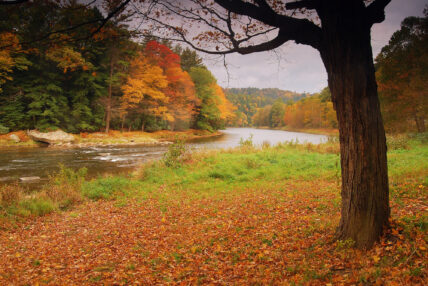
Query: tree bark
(347, 55)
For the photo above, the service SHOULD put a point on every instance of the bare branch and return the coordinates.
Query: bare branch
(303, 4)
(376, 11)
(60, 31)
(12, 2)
(261, 13)
(110, 15)
(302, 31)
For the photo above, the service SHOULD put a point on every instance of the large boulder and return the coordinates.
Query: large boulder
(14, 138)
(55, 137)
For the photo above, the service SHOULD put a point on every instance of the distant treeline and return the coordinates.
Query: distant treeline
(249, 100)
(315, 111)
(83, 78)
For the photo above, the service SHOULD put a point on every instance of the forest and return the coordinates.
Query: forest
(112, 81)
(106, 81)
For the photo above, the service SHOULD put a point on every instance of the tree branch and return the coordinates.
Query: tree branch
(262, 13)
(376, 11)
(302, 31)
(303, 4)
(92, 21)
(12, 2)
(110, 15)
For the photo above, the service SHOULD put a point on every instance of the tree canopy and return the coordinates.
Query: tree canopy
(402, 73)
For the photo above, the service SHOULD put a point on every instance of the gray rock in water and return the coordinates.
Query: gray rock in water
(14, 138)
(29, 179)
(54, 137)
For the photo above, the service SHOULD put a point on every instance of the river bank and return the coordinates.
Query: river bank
(239, 216)
(115, 157)
(113, 138)
(318, 131)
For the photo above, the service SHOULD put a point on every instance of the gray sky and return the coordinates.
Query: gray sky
(300, 68)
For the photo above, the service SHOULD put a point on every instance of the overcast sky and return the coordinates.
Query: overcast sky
(300, 68)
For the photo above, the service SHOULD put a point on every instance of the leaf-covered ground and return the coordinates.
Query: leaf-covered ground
(276, 231)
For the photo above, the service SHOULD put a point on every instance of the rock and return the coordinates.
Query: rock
(14, 138)
(29, 179)
(55, 137)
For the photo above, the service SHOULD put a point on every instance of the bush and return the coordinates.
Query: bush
(64, 187)
(174, 156)
(3, 129)
(246, 142)
(10, 194)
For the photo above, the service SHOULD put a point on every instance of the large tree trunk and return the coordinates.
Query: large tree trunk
(348, 58)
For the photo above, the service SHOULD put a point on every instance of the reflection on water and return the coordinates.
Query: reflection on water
(25, 162)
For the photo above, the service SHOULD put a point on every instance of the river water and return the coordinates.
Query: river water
(41, 161)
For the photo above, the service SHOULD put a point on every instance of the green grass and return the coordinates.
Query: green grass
(215, 174)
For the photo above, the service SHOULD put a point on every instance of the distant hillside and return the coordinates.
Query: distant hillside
(248, 99)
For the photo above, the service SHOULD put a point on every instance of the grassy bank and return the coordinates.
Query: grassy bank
(320, 131)
(235, 216)
(114, 137)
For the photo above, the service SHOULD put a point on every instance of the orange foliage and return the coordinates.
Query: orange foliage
(280, 234)
(180, 89)
(224, 105)
(144, 87)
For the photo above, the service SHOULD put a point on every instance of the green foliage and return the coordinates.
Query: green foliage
(246, 142)
(3, 129)
(174, 156)
(402, 75)
(208, 117)
(276, 115)
(189, 58)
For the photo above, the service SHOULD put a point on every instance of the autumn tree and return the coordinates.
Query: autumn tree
(180, 90)
(261, 117)
(143, 89)
(340, 31)
(276, 115)
(402, 74)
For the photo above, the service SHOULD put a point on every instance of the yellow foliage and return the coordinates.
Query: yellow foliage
(224, 105)
(144, 86)
(7, 61)
(67, 59)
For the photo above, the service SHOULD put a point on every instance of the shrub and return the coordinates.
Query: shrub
(10, 194)
(246, 142)
(174, 156)
(64, 187)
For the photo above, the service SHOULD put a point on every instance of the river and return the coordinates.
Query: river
(16, 162)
